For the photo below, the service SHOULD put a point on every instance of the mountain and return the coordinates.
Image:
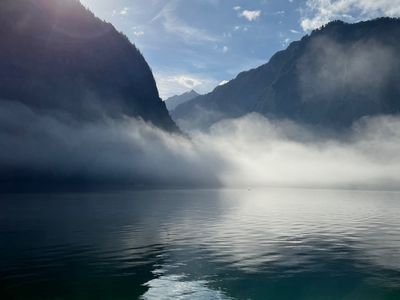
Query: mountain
(329, 79)
(176, 100)
(55, 55)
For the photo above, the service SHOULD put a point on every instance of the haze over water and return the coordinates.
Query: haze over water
(204, 244)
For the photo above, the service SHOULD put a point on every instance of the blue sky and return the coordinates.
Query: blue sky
(198, 44)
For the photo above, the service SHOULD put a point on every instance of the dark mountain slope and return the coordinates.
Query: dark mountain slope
(176, 100)
(331, 78)
(56, 55)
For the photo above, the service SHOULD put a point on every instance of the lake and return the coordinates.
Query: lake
(201, 244)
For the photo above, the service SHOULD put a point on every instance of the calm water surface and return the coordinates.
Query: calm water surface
(227, 244)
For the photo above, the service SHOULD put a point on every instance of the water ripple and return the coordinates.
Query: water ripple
(229, 244)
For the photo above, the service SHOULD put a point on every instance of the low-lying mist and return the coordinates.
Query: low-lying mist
(251, 151)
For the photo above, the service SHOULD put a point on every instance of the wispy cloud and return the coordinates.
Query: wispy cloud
(138, 33)
(175, 25)
(285, 42)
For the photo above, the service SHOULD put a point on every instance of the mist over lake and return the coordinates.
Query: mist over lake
(173, 149)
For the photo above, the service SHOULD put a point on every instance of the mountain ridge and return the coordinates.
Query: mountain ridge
(304, 82)
(76, 63)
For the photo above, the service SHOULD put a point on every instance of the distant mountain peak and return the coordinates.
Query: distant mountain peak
(193, 92)
(177, 100)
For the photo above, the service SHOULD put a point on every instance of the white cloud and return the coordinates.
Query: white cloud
(294, 31)
(250, 15)
(320, 12)
(223, 82)
(124, 11)
(225, 49)
(186, 81)
(173, 83)
(237, 8)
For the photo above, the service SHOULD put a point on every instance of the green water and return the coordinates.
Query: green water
(222, 244)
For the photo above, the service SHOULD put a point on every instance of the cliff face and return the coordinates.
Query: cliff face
(56, 55)
(331, 78)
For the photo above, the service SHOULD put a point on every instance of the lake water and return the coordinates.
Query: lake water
(221, 244)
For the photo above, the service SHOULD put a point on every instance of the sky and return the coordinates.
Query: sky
(199, 44)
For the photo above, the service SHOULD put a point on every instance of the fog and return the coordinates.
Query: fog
(363, 68)
(251, 151)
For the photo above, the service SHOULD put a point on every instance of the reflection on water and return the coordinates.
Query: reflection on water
(176, 287)
(227, 244)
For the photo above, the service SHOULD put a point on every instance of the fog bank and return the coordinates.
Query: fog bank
(251, 151)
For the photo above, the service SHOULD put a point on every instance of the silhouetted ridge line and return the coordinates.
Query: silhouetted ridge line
(56, 55)
(329, 79)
